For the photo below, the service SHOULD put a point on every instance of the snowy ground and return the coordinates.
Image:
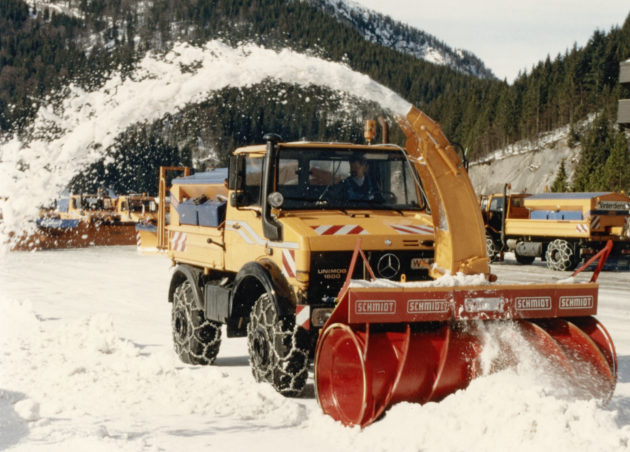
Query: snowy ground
(86, 363)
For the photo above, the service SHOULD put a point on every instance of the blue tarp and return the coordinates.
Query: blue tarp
(145, 227)
(216, 176)
(568, 195)
(57, 223)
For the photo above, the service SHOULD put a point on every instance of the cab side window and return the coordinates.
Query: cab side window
(496, 205)
(253, 180)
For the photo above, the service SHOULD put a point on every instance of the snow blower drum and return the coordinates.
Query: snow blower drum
(384, 345)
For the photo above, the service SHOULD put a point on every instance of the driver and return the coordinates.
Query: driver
(359, 185)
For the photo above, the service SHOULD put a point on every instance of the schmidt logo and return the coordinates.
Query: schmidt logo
(533, 303)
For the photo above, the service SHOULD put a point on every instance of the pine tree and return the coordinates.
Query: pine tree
(595, 150)
(616, 171)
(560, 184)
(574, 135)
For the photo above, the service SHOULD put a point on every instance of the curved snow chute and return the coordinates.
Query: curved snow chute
(384, 345)
(460, 237)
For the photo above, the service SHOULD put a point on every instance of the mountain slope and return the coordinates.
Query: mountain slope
(43, 51)
(385, 31)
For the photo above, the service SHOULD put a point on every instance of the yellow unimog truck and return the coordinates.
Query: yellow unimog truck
(560, 228)
(279, 253)
(267, 250)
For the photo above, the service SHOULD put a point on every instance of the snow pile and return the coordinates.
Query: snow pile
(83, 370)
(446, 280)
(69, 136)
(505, 411)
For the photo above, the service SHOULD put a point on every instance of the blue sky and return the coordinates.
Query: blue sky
(508, 36)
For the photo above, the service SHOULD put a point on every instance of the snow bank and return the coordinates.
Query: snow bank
(69, 136)
(83, 370)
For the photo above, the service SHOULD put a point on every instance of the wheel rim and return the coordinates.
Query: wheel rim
(260, 347)
(561, 256)
(180, 326)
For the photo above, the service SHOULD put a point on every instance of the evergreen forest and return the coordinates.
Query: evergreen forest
(44, 50)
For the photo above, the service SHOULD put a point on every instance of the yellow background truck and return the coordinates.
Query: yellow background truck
(137, 208)
(560, 228)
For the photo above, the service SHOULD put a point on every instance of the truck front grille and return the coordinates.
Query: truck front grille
(329, 269)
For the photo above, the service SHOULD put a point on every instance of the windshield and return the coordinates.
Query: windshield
(142, 205)
(333, 178)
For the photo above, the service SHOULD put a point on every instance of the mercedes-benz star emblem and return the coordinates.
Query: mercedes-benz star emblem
(388, 265)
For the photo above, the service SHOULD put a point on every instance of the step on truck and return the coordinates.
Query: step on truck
(371, 261)
(560, 228)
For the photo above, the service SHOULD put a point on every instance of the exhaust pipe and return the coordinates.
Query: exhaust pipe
(384, 129)
(272, 229)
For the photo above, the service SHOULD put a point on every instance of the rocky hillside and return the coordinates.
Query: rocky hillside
(529, 167)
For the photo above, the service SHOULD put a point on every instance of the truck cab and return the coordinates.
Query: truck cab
(138, 208)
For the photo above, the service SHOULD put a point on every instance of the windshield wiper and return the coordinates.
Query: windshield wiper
(324, 192)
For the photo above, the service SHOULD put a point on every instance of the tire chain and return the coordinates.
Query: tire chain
(200, 344)
(288, 368)
(560, 256)
(491, 249)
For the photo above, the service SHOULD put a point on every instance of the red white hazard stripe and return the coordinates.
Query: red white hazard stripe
(595, 221)
(412, 229)
(138, 239)
(303, 316)
(288, 263)
(583, 228)
(339, 229)
(178, 241)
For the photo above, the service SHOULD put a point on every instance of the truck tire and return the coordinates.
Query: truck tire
(278, 352)
(492, 249)
(196, 339)
(561, 255)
